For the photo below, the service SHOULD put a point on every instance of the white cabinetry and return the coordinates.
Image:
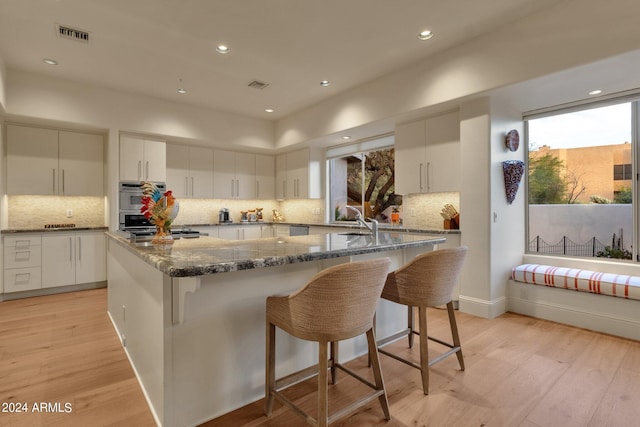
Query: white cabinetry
(190, 171)
(234, 175)
(265, 177)
(73, 258)
(51, 162)
(240, 232)
(142, 159)
(22, 260)
(427, 155)
(298, 175)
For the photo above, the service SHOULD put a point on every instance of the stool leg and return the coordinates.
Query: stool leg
(454, 334)
(270, 368)
(374, 333)
(334, 361)
(323, 404)
(410, 321)
(424, 349)
(377, 372)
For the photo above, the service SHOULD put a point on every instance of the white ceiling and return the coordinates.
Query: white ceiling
(147, 46)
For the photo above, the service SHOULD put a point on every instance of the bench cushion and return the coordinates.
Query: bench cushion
(617, 285)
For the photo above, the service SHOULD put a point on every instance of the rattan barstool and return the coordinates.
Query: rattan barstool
(336, 304)
(427, 281)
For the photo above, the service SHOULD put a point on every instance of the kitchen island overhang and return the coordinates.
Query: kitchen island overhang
(191, 315)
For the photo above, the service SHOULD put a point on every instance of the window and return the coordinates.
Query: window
(362, 176)
(576, 206)
(622, 172)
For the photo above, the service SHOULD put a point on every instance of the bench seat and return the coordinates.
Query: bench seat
(616, 285)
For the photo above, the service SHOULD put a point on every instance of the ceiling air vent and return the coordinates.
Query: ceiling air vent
(257, 85)
(70, 33)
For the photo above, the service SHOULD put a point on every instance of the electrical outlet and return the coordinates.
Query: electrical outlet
(69, 213)
(413, 211)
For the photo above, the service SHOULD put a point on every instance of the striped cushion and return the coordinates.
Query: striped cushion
(617, 285)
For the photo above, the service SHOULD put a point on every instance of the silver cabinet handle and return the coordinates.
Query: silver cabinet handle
(54, 181)
(186, 185)
(428, 181)
(232, 188)
(192, 187)
(70, 249)
(421, 186)
(146, 170)
(238, 188)
(62, 181)
(139, 169)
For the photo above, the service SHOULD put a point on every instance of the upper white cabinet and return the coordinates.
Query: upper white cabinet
(265, 177)
(51, 162)
(190, 171)
(142, 159)
(427, 155)
(298, 175)
(234, 175)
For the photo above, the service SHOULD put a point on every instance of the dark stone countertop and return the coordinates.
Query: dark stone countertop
(51, 230)
(209, 255)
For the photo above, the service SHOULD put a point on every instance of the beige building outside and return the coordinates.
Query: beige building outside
(594, 171)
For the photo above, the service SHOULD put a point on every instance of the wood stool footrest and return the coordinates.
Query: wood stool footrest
(400, 359)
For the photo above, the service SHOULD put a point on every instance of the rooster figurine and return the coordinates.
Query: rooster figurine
(160, 209)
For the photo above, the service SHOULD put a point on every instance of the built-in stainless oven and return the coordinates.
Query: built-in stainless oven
(130, 203)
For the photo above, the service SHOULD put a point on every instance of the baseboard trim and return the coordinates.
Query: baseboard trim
(482, 308)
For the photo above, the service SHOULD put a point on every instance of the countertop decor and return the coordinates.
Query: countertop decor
(160, 209)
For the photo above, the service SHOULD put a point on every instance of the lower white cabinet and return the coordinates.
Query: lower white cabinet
(73, 258)
(22, 259)
(240, 232)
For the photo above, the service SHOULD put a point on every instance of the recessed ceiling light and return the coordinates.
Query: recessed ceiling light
(222, 49)
(269, 110)
(595, 92)
(346, 137)
(325, 83)
(180, 88)
(425, 35)
(50, 61)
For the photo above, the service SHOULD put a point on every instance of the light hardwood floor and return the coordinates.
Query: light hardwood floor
(520, 372)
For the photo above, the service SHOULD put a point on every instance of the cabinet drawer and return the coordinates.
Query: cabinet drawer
(19, 257)
(22, 242)
(22, 279)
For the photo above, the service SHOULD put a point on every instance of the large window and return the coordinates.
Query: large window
(363, 180)
(580, 188)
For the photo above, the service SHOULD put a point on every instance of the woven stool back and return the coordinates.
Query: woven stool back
(337, 303)
(428, 280)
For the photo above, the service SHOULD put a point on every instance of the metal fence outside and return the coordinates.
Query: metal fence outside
(566, 246)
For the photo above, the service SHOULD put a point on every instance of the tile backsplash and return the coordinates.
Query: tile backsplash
(420, 211)
(32, 212)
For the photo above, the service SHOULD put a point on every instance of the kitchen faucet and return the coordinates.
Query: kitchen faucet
(373, 228)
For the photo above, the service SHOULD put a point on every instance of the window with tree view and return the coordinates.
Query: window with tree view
(580, 188)
(365, 181)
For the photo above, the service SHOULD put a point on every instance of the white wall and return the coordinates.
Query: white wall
(492, 229)
(43, 98)
(581, 222)
(475, 205)
(3, 85)
(551, 40)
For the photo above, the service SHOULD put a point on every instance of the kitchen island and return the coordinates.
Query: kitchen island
(191, 316)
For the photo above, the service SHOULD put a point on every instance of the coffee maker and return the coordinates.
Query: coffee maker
(223, 215)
